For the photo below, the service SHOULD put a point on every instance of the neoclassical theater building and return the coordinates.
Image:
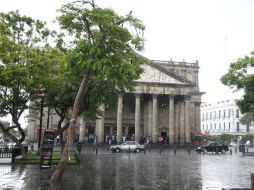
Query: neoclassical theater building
(165, 102)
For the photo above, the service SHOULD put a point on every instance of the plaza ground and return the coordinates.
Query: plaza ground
(153, 170)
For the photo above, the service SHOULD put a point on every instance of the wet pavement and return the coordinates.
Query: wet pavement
(151, 170)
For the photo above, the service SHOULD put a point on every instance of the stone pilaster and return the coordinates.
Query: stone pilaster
(137, 117)
(171, 111)
(126, 131)
(155, 118)
(119, 119)
(198, 129)
(181, 122)
(82, 129)
(187, 120)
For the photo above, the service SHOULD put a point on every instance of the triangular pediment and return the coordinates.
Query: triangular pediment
(153, 75)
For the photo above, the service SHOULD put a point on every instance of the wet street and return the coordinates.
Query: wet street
(131, 171)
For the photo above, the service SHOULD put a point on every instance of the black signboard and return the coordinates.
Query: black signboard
(47, 148)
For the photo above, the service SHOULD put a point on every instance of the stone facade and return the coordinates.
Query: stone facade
(165, 101)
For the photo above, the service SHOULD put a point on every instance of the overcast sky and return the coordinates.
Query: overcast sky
(214, 32)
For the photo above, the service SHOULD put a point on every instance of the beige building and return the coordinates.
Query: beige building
(166, 101)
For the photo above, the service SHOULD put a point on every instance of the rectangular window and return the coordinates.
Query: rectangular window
(219, 114)
(237, 113)
(215, 126)
(229, 126)
(210, 115)
(224, 126)
(229, 113)
(224, 114)
(214, 114)
(238, 126)
(211, 126)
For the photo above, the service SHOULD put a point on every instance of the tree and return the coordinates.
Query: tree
(240, 77)
(25, 60)
(103, 51)
(247, 119)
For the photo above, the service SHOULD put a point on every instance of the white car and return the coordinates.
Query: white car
(132, 146)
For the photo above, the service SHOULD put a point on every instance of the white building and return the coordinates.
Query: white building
(222, 117)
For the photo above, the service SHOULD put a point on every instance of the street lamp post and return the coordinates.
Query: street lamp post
(41, 92)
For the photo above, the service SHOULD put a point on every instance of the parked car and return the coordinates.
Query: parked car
(212, 147)
(127, 146)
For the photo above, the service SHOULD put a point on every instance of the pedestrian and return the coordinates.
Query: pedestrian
(79, 147)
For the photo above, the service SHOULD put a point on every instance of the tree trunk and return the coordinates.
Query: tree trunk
(70, 132)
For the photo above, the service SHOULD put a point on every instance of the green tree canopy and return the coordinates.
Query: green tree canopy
(240, 76)
(25, 64)
(102, 53)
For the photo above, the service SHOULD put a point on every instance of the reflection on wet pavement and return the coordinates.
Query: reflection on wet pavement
(138, 171)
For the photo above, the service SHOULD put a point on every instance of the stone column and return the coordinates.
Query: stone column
(171, 118)
(155, 118)
(82, 129)
(150, 118)
(145, 120)
(198, 129)
(137, 117)
(177, 122)
(187, 121)
(181, 123)
(119, 119)
(101, 125)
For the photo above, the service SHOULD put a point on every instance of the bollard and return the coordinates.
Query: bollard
(230, 151)
(217, 151)
(149, 148)
(96, 150)
(108, 149)
(189, 150)
(175, 150)
(160, 151)
(235, 150)
(145, 151)
(252, 181)
(247, 150)
(243, 151)
(129, 150)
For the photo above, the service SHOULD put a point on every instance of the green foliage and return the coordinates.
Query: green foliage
(247, 118)
(224, 138)
(26, 62)
(247, 137)
(240, 77)
(35, 159)
(103, 45)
